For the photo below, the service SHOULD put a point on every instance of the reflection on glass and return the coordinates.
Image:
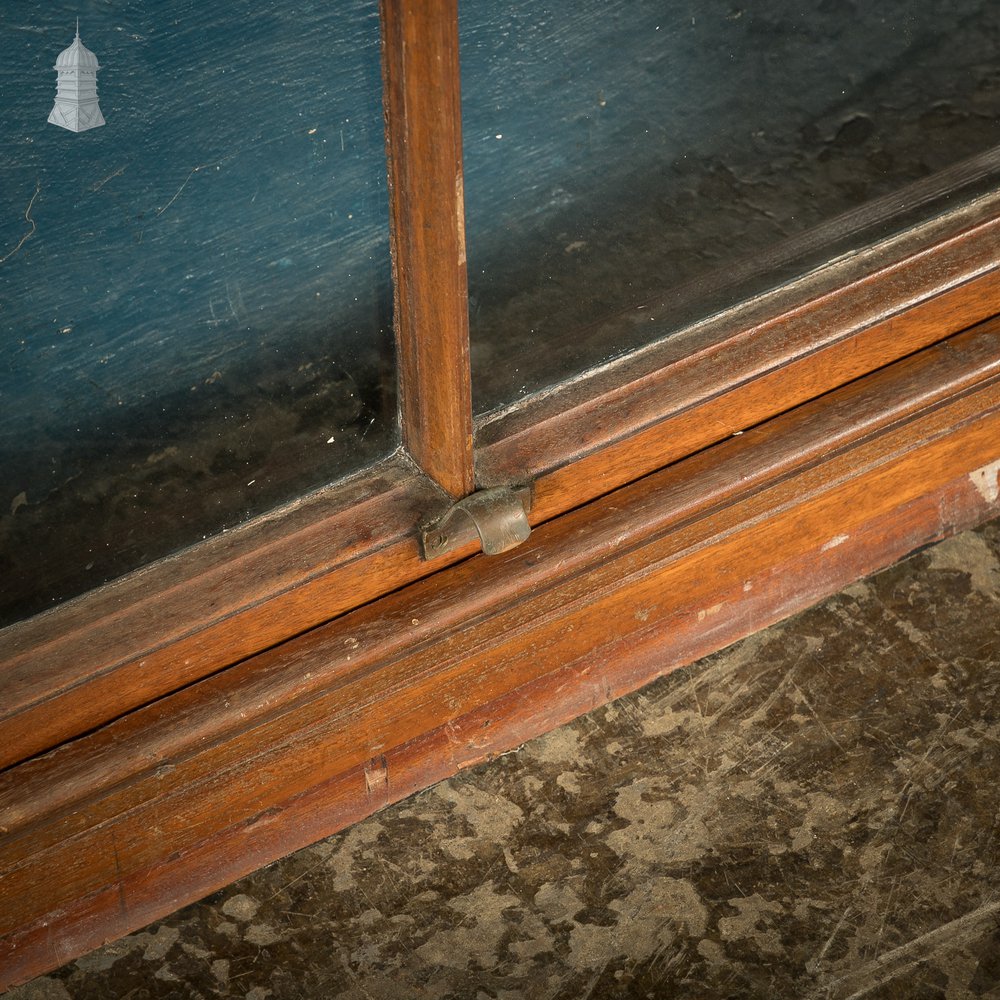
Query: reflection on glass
(194, 296)
(628, 155)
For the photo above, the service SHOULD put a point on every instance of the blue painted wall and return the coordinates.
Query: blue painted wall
(232, 212)
(581, 116)
(228, 226)
(561, 95)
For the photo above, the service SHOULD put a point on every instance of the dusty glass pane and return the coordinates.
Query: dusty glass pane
(645, 156)
(195, 296)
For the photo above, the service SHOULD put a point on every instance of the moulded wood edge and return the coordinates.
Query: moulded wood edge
(709, 422)
(180, 620)
(926, 393)
(173, 623)
(800, 342)
(897, 272)
(477, 736)
(784, 581)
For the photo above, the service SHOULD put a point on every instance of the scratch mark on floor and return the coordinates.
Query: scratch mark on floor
(892, 964)
(297, 878)
(815, 963)
(822, 725)
(31, 232)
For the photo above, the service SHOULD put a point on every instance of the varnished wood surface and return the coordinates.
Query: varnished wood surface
(255, 688)
(733, 371)
(424, 141)
(159, 807)
(87, 662)
(185, 618)
(80, 665)
(847, 752)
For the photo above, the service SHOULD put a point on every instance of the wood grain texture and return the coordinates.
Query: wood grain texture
(732, 371)
(178, 798)
(184, 618)
(151, 633)
(424, 142)
(67, 671)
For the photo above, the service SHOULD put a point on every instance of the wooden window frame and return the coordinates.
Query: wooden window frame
(273, 683)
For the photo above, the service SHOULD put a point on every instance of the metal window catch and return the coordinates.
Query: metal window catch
(499, 517)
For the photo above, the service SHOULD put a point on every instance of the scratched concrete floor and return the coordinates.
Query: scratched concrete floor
(812, 812)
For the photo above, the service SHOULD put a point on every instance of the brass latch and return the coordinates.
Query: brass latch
(498, 516)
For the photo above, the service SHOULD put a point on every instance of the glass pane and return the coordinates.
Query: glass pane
(194, 296)
(633, 166)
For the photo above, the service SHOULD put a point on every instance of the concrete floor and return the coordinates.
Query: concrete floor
(810, 813)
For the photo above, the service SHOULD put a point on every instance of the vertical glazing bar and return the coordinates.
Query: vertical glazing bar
(424, 147)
